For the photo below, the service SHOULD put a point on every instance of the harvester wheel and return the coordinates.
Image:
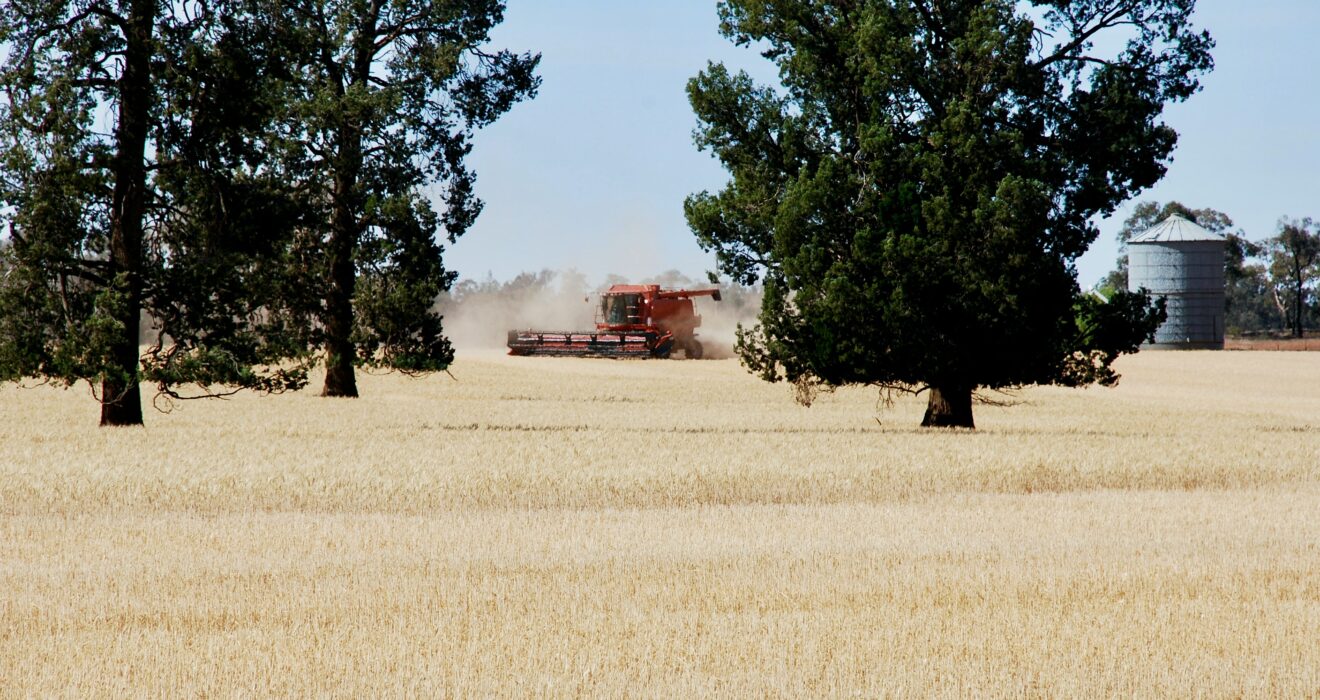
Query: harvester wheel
(693, 349)
(663, 349)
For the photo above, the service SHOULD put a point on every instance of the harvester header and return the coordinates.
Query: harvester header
(632, 320)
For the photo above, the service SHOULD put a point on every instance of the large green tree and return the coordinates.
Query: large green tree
(1248, 303)
(391, 94)
(1294, 266)
(915, 195)
(130, 132)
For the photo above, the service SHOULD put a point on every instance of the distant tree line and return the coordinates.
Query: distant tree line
(527, 285)
(482, 311)
(1271, 286)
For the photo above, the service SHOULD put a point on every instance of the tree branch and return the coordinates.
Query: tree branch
(1108, 20)
(390, 33)
(102, 83)
(102, 11)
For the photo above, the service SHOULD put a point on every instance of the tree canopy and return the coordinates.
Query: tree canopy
(389, 96)
(256, 176)
(1295, 264)
(915, 193)
(131, 182)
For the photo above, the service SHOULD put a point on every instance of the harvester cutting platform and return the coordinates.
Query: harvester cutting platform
(633, 320)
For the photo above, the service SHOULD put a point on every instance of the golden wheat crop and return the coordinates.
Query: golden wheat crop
(552, 527)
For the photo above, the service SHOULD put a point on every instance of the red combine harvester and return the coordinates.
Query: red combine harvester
(633, 320)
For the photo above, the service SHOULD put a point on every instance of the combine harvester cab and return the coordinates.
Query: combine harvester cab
(633, 320)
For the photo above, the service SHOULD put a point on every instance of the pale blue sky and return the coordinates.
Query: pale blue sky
(592, 173)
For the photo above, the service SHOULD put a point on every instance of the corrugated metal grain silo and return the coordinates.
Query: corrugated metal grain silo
(1184, 263)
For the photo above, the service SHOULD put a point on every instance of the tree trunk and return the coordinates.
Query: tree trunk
(340, 379)
(121, 399)
(345, 227)
(1299, 307)
(1285, 320)
(949, 407)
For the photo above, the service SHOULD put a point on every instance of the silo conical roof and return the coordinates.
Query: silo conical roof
(1177, 229)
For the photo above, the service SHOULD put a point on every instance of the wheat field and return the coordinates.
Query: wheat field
(538, 527)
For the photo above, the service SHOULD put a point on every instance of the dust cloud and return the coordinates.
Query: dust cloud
(479, 314)
(720, 319)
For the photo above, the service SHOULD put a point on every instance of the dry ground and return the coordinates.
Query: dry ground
(554, 527)
(1310, 343)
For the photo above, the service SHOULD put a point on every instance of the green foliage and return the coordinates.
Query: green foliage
(384, 100)
(916, 194)
(265, 149)
(1294, 266)
(1105, 329)
(133, 179)
(1249, 291)
(36, 340)
(400, 279)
